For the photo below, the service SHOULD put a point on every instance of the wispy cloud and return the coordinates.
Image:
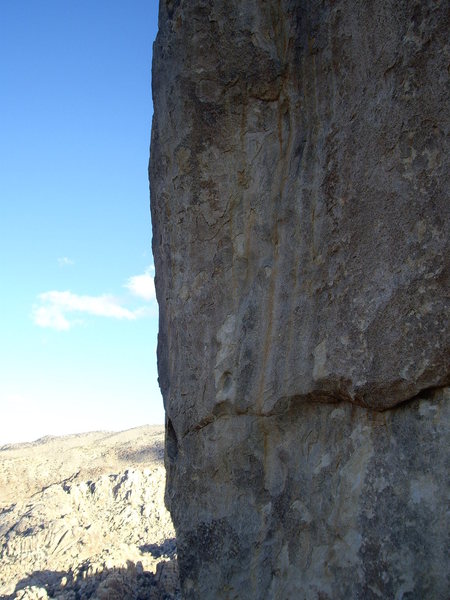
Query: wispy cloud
(143, 285)
(54, 308)
(62, 310)
(64, 261)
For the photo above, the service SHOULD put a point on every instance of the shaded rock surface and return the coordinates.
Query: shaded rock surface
(83, 517)
(299, 182)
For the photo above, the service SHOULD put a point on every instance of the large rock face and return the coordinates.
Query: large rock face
(299, 182)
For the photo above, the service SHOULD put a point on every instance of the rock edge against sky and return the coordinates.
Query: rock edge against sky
(299, 190)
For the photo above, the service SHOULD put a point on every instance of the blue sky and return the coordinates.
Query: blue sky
(78, 320)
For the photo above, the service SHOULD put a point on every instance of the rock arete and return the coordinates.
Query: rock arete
(299, 191)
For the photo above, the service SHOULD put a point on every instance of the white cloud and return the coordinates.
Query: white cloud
(143, 285)
(50, 316)
(54, 307)
(65, 262)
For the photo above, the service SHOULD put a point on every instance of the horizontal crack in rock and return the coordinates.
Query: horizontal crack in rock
(285, 405)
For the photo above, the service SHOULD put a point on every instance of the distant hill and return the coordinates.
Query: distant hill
(83, 516)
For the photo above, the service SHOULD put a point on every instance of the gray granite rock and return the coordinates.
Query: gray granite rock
(299, 182)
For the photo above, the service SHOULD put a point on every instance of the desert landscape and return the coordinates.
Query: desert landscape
(296, 295)
(83, 516)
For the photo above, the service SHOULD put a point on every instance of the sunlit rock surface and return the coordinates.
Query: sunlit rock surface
(299, 180)
(82, 517)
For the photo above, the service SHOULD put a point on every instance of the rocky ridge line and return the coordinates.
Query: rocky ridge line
(100, 530)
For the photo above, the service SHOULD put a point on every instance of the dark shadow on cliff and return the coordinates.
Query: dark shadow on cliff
(126, 583)
(167, 549)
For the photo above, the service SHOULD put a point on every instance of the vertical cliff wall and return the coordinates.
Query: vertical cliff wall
(299, 192)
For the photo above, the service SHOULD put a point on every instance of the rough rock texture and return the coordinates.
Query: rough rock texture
(83, 517)
(299, 180)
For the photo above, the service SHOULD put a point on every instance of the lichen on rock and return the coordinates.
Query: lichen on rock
(299, 192)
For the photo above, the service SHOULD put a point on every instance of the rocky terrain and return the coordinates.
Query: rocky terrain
(299, 177)
(83, 516)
